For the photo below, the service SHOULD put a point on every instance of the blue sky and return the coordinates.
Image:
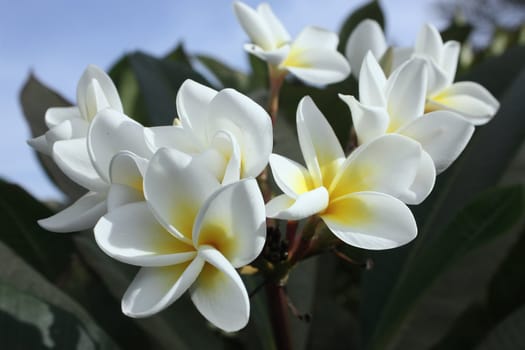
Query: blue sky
(57, 39)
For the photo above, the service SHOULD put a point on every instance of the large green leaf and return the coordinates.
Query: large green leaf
(481, 165)
(370, 10)
(16, 274)
(159, 81)
(35, 99)
(226, 75)
(55, 257)
(26, 322)
(489, 216)
(508, 334)
(487, 323)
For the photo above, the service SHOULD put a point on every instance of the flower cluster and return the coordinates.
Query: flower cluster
(183, 202)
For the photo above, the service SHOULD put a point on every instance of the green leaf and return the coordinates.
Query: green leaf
(27, 322)
(489, 216)
(488, 322)
(129, 90)
(179, 55)
(370, 10)
(35, 99)
(226, 75)
(55, 257)
(480, 166)
(508, 334)
(159, 81)
(18, 275)
(258, 75)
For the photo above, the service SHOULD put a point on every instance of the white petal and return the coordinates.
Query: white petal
(255, 26)
(192, 104)
(226, 144)
(316, 38)
(155, 288)
(399, 56)
(56, 115)
(469, 99)
(388, 164)
(68, 129)
(291, 177)
(219, 294)
(131, 234)
(172, 137)
(273, 57)
(423, 183)
(248, 123)
(175, 187)
(110, 133)
(449, 59)
(40, 144)
(98, 82)
(406, 93)
(279, 33)
(118, 195)
(233, 221)
(429, 43)
(442, 134)
(369, 122)
(438, 79)
(367, 36)
(372, 83)
(305, 205)
(371, 220)
(72, 157)
(81, 215)
(317, 66)
(319, 144)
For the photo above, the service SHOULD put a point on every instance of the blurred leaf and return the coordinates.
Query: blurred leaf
(491, 215)
(55, 257)
(487, 323)
(17, 274)
(227, 76)
(27, 322)
(159, 81)
(480, 166)
(508, 334)
(333, 325)
(179, 55)
(370, 10)
(258, 75)
(129, 91)
(35, 99)
(457, 30)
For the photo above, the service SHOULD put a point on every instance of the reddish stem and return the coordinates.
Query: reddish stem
(278, 307)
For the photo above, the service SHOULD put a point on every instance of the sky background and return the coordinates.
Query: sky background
(57, 39)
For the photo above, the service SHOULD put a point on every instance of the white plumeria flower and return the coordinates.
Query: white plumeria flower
(95, 91)
(467, 98)
(226, 130)
(312, 57)
(190, 235)
(396, 105)
(368, 36)
(354, 196)
(97, 162)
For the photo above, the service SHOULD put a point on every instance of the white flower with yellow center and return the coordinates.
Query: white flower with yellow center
(109, 162)
(470, 99)
(189, 235)
(355, 196)
(396, 106)
(225, 130)
(312, 57)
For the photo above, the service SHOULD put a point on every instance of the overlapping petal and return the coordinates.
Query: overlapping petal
(366, 37)
(442, 134)
(370, 220)
(81, 215)
(219, 294)
(305, 205)
(132, 234)
(175, 187)
(155, 288)
(255, 25)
